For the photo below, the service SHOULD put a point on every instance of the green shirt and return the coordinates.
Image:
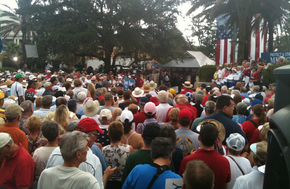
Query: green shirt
(195, 123)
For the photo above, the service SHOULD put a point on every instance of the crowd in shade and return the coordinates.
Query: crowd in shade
(84, 130)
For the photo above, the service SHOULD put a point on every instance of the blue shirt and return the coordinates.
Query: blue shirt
(230, 125)
(96, 150)
(246, 95)
(156, 66)
(141, 176)
(239, 119)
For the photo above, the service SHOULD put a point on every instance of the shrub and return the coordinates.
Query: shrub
(206, 72)
(268, 75)
(7, 68)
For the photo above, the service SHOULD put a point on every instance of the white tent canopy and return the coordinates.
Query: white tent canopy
(193, 59)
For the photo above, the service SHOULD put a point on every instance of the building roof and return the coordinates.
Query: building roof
(192, 59)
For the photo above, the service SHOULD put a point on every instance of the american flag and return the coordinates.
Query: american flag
(225, 49)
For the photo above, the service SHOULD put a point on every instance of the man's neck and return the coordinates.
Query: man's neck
(108, 104)
(182, 127)
(28, 114)
(162, 161)
(52, 144)
(146, 147)
(206, 147)
(71, 164)
(46, 108)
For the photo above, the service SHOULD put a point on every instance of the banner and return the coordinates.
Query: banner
(272, 57)
(129, 84)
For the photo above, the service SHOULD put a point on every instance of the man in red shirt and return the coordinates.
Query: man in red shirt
(140, 116)
(216, 162)
(187, 85)
(17, 169)
(182, 103)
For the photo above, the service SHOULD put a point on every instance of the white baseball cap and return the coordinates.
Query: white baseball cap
(126, 114)
(4, 139)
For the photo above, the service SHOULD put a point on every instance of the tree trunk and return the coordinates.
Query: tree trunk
(23, 42)
(271, 32)
(107, 61)
(242, 38)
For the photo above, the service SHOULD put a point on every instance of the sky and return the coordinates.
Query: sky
(183, 21)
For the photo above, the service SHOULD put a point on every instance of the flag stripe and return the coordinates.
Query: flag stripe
(257, 49)
(225, 51)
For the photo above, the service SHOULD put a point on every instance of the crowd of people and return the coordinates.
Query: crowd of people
(83, 130)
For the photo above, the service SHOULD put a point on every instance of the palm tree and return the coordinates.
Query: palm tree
(238, 11)
(272, 13)
(17, 21)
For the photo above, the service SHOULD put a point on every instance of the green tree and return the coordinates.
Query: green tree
(11, 50)
(96, 28)
(17, 21)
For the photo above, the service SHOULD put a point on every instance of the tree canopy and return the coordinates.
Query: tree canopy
(96, 28)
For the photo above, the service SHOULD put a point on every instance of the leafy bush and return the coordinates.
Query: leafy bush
(7, 68)
(268, 75)
(206, 72)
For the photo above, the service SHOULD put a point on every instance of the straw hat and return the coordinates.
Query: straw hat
(9, 82)
(24, 83)
(137, 93)
(187, 84)
(219, 125)
(153, 84)
(91, 108)
(146, 88)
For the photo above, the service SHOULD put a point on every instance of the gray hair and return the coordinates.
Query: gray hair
(161, 147)
(47, 84)
(46, 100)
(167, 130)
(194, 95)
(163, 96)
(98, 91)
(235, 92)
(81, 96)
(210, 107)
(27, 105)
(60, 79)
(71, 143)
(198, 98)
(224, 89)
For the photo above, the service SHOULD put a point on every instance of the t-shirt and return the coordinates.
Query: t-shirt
(186, 140)
(253, 180)
(139, 157)
(161, 111)
(249, 128)
(104, 139)
(239, 119)
(216, 162)
(92, 165)
(96, 150)
(67, 177)
(139, 118)
(40, 157)
(111, 108)
(34, 144)
(117, 155)
(17, 171)
(16, 134)
(156, 66)
(247, 72)
(141, 176)
(244, 164)
(76, 90)
(16, 86)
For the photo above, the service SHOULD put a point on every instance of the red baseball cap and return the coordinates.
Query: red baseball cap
(154, 99)
(184, 115)
(87, 125)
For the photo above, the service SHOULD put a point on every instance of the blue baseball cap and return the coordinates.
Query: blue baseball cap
(188, 94)
(256, 101)
(120, 85)
(143, 100)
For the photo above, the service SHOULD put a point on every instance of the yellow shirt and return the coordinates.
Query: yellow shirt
(50, 116)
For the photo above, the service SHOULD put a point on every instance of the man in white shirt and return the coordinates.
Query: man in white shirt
(73, 152)
(163, 107)
(46, 102)
(17, 89)
(78, 87)
(92, 163)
